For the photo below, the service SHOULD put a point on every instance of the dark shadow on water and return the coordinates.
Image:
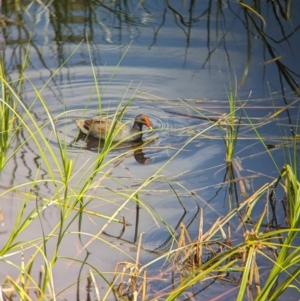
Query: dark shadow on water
(93, 144)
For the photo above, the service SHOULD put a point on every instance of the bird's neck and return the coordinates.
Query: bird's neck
(137, 127)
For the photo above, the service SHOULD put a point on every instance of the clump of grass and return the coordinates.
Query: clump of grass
(71, 198)
(7, 108)
(215, 256)
(232, 129)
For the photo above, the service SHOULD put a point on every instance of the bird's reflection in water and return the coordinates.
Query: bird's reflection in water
(91, 143)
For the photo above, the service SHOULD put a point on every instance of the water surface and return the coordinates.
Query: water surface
(174, 61)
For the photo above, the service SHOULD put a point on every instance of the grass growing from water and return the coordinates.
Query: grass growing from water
(220, 252)
(215, 255)
(70, 197)
(192, 263)
(7, 117)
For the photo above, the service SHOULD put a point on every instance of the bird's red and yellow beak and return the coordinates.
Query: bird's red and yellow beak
(148, 123)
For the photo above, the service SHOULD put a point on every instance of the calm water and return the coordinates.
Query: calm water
(172, 57)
